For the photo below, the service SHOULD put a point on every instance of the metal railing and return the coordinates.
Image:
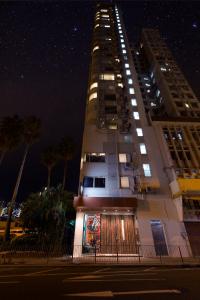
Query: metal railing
(113, 254)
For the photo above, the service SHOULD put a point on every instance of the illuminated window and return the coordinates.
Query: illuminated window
(125, 57)
(105, 16)
(130, 81)
(122, 40)
(126, 66)
(120, 85)
(94, 85)
(128, 72)
(120, 31)
(123, 51)
(148, 91)
(187, 105)
(92, 96)
(97, 25)
(139, 131)
(124, 157)
(119, 75)
(136, 115)
(147, 171)
(131, 91)
(133, 102)
(143, 149)
(124, 182)
(112, 126)
(107, 76)
(108, 39)
(95, 48)
(147, 84)
(123, 45)
(104, 10)
(157, 93)
(107, 26)
(163, 69)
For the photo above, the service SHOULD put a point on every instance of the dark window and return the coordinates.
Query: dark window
(87, 181)
(95, 157)
(194, 104)
(110, 97)
(179, 104)
(110, 109)
(100, 182)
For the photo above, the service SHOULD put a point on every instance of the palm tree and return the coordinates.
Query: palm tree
(66, 150)
(10, 134)
(49, 158)
(31, 134)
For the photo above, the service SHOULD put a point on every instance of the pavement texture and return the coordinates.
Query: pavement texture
(96, 282)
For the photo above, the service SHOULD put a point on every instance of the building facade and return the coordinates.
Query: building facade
(130, 196)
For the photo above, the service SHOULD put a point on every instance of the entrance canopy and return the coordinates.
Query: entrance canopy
(105, 202)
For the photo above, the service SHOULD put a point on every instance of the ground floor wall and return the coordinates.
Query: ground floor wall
(145, 232)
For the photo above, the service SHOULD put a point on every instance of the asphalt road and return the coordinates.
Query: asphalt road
(96, 282)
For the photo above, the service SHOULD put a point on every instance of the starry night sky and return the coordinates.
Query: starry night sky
(44, 63)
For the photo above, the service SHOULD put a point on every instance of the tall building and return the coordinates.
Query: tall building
(131, 189)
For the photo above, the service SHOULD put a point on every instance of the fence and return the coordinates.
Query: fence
(114, 254)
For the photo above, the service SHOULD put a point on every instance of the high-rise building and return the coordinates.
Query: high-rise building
(131, 189)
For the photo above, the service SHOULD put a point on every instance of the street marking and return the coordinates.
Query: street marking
(86, 277)
(8, 282)
(40, 272)
(149, 269)
(112, 294)
(149, 292)
(101, 270)
(92, 294)
(112, 280)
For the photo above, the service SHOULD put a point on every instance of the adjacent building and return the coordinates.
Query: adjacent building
(138, 146)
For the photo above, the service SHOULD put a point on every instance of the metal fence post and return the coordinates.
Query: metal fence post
(180, 254)
(139, 254)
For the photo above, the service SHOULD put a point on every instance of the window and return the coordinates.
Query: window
(143, 149)
(95, 48)
(122, 40)
(139, 131)
(112, 126)
(133, 102)
(187, 105)
(147, 171)
(128, 139)
(131, 91)
(124, 182)
(105, 16)
(126, 66)
(120, 85)
(104, 10)
(136, 115)
(123, 51)
(87, 181)
(92, 96)
(130, 81)
(99, 182)
(95, 157)
(120, 31)
(107, 26)
(97, 25)
(128, 72)
(123, 158)
(94, 85)
(107, 76)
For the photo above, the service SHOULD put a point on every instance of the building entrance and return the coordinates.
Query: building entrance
(109, 233)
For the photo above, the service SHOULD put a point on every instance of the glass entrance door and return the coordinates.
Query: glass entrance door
(159, 238)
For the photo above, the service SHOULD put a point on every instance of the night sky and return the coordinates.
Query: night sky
(44, 63)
